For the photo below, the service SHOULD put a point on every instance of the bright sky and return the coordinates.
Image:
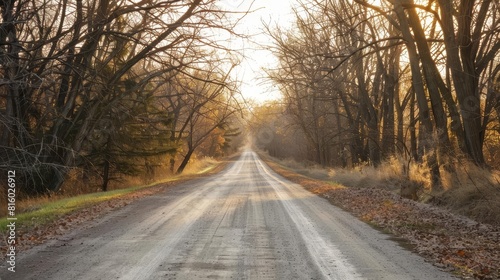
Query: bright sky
(250, 71)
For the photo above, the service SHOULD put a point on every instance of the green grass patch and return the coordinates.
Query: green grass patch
(46, 212)
(49, 211)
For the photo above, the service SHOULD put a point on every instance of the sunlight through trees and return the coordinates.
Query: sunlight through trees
(367, 81)
(85, 84)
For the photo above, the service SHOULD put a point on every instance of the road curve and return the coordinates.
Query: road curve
(246, 222)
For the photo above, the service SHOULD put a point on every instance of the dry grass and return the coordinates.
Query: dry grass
(200, 165)
(473, 192)
(468, 190)
(307, 169)
(390, 175)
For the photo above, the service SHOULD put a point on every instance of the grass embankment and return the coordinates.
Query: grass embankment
(43, 212)
(465, 247)
(42, 218)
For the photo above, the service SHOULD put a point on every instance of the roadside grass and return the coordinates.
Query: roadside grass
(318, 186)
(201, 166)
(39, 211)
(467, 189)
(45, 212)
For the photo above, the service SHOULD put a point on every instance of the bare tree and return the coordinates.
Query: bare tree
(198, 103)
(66, 65)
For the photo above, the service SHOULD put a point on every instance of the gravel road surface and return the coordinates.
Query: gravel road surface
(246, 222)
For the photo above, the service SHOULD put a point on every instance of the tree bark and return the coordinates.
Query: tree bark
(185, 161)
(426, 131)
(461, 53)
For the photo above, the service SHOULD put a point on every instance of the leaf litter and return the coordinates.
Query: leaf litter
(454, 243)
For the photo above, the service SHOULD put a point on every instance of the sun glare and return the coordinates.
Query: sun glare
(256, 56)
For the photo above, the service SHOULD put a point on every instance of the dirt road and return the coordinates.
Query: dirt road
(244, 223)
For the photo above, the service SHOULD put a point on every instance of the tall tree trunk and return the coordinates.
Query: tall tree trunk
(369, 114)
(105, 174)
(461, 59)
(388, 129)
(426, 131)
(413, 130)
(433, 80)
(185, 161)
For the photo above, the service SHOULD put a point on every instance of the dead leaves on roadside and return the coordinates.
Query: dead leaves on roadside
(453, 243)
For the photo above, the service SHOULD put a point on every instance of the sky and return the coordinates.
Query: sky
(254, 85)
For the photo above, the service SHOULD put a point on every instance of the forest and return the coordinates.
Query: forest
(365, 83)
(93, 90)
